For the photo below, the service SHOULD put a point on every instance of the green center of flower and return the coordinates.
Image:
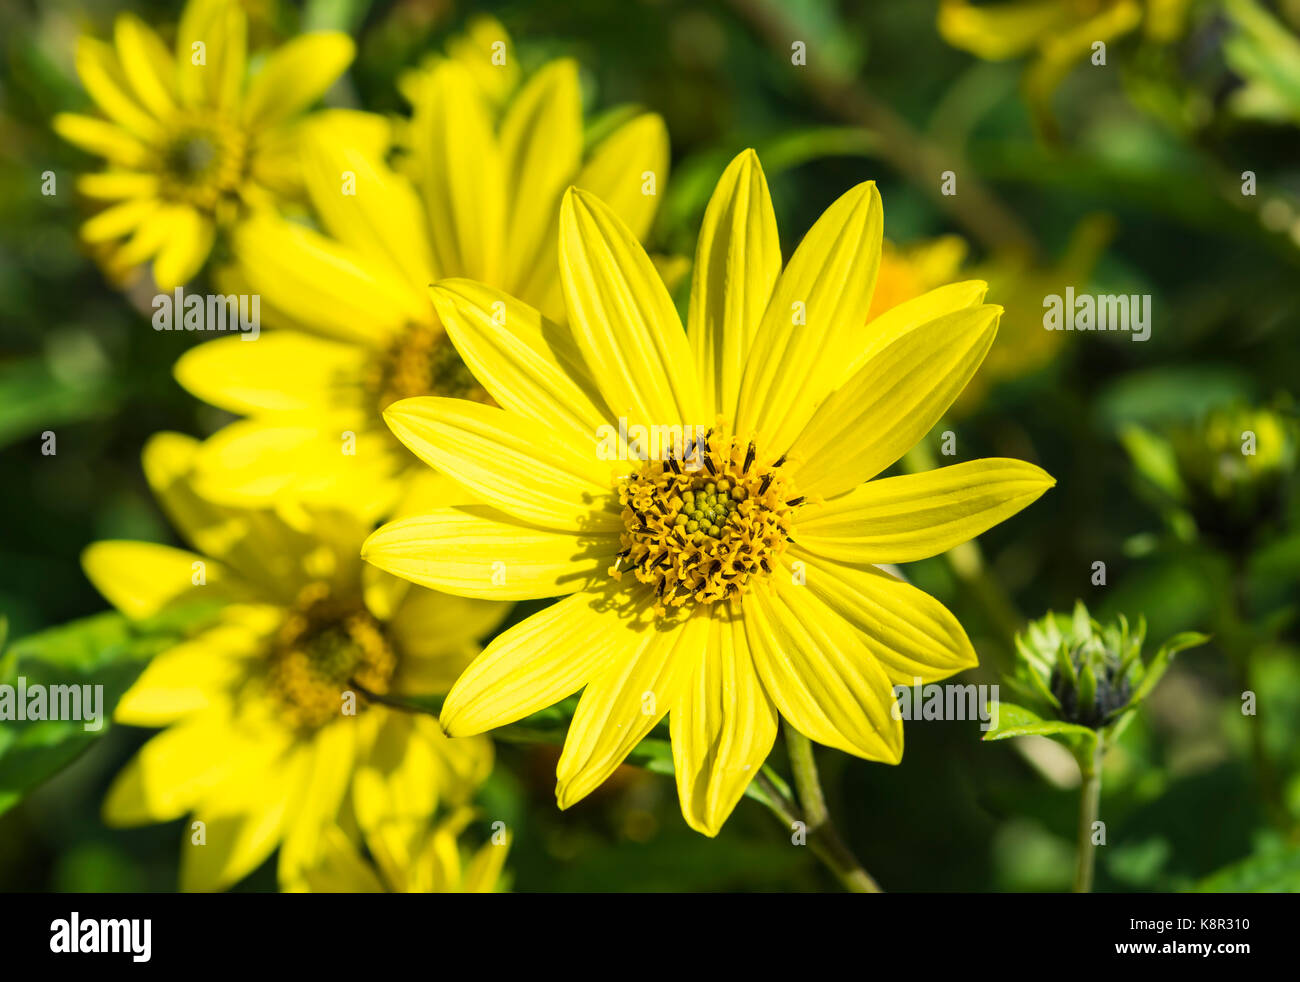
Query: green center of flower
(422, 361)
(202, 161)
(702, 525)
(326, 648)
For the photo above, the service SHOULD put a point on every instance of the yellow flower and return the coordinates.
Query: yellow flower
(362, 333)
(429, 863)
(271, 728)
(732, 584)
(187, 143)
(1060, 33)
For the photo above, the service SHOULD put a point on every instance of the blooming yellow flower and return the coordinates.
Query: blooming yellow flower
(483, 203)
(429, 863)
(732, 579)
(187, 142)
(1061, 33)
(271, 728)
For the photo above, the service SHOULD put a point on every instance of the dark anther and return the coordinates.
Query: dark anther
(749, 458)
(795, 501)
(767, 482)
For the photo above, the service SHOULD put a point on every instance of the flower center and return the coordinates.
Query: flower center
(326, 648)
(202, 161)
(700, 526)
(422, 361)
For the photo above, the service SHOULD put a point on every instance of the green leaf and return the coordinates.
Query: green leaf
(1015, 721)
(105, 650)
(1160, 663)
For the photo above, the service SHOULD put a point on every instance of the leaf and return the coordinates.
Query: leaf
(1014, 721)
(105, 650)
(1160, 663)
(1271, 872)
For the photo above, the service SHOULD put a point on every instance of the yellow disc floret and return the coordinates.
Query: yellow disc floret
(700, 525)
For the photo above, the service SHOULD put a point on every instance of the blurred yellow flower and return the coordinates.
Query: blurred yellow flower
(187, 142)
(427, 862)
(1059, 33)
(728, 575)
(271, 730)
(358, 331)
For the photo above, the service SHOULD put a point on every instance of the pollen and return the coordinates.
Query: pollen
(202, 162)
(422, 361)
(704, 522)
(325, 648)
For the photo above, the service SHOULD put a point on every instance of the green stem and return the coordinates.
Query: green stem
(826, 842)
(1089, 808)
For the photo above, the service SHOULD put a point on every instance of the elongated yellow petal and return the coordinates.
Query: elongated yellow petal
(186, 249)
(823, 294)
(327, 286)
(339, 867)
(330, 760)
(101, 138)
(892, 401)
(621, 167)
(737, 262)
(101, 73)
(544, 659)
(538, 475)
(141, 578)
(906, 630)
(527, 363)
(459, 172)
(905, 518)
(117, 185)
(623, 702)
(295, 76)
(541, 148)
(1001, 30)
(365, 204)
(479, 552)
(723, 726)
(820, 675)
(623, 319)
(118, 220)
(901, 318)
(280, 372)
(147, 64)
(211, 50)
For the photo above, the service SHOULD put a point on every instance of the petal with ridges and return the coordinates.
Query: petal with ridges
(479, 552)
(536, 474)
(892, 401)
(913, 516)
(280, 372)
(820, 675)
(737, 262)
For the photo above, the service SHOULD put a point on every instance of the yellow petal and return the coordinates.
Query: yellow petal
(619, 168)
(479, 552)
(624, 701)
(541, 148)
(538, 475)
(907, 631)
(623, 319)
(458, 169)
(186, 248)
(118, 220)
(117, 185)
(147, 64)
(325, 285)
(101, 138)
(528, 364)
(823, 295)
(737, 262)
(281, 372)
(1001, 30)
(141, 578)
(339, 867)
(820, 675)
(892, 401)
(211, 46)
(295, 75)
(381, 218)
(331, 758)
(543, 659)
(437, 636)
(913, 516)
(101, 73)
(722, 725)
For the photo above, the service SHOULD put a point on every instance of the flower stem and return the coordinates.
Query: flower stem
(822, 836)
(1089, 808)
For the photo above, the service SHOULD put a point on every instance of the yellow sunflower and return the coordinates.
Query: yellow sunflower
(358, 329)
(188, 143)
(730, 577)
(274, 719)
(433, 862)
